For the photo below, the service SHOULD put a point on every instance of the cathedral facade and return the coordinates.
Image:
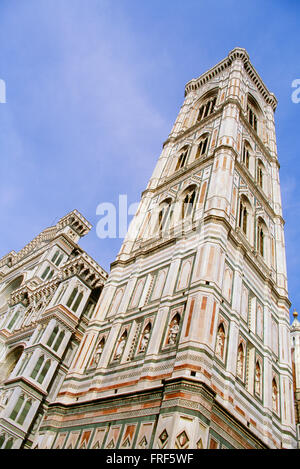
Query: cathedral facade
(188, 345)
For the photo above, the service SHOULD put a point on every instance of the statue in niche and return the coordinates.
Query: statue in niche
(145, 338)
(220, 341)
(257, 379)
(274, 396)
(121, 346)
(173, 331)
(99, 351)
(240, 361)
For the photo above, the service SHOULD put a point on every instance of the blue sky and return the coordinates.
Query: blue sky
(94, 86)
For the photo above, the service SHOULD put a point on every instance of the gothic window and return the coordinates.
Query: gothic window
(77, 302)
(188, 202)
(17, 407)
(164, 216)
(252, 118)
(243, 218)
(220, 341)
(56, 254)
(37, 367)
(57, 258)
(72, 297)
(207, 108)
(261, 237)
(182, 158)
(21, 409)
(145, 339)
(202, 146)
(121, 345)
(44, 372)
(246, 155)
(23, 414)
(173, 330)
(59, 341)
(240, 367)
(45, 273)
(260, 174)
(75, 299)
(52, 336)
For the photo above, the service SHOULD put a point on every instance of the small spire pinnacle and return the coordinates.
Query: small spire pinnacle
(295, 314)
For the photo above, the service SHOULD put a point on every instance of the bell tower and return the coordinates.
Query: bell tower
(189, 343)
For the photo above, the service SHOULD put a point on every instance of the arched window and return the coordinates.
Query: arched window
(59, 340)
(72, 297)
(52, 336)
(202, 146)
(37, 367)
(246, 155)
(55, 256)
(77, 302)
(207, 108)
(261, 235)
(182, 158)
(50, 275)
(59, 260)
(260, 174)
(252, 118)
(188, 202)
(45, 273)
(17, 407)
(44, 371)
(24, 412)
(165, 216)
(243, 218)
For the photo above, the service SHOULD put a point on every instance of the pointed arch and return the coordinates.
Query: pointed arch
(188, 199)
(173, 330)
(182, 157)
(240, 367)
(202, 145)
(220, 340)
(145, 338)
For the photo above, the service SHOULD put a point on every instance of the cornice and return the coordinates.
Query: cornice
(236, 54)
